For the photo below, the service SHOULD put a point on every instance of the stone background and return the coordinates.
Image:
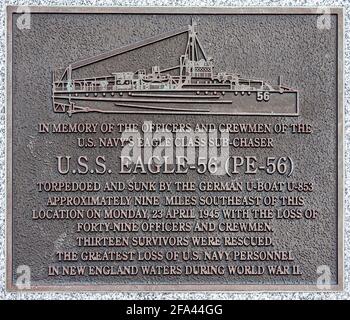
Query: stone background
(3, 293)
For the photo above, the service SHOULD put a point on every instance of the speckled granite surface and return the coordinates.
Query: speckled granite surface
(217, 295)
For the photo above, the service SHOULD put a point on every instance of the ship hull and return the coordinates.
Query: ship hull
(225, 102)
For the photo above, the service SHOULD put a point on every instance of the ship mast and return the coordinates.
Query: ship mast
(194, 47)
(194, 57)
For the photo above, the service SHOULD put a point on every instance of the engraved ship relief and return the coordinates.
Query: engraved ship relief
(194, 89)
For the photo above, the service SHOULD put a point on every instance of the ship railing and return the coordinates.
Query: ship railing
(80, 86)
(61, 85)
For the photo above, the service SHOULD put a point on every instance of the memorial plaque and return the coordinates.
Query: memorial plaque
(178, 149)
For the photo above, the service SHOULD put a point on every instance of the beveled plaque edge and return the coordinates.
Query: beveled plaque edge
(339, 11)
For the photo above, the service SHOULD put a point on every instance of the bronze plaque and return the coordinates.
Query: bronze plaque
(174, 149)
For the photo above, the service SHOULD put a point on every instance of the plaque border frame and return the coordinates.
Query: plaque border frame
(200, 287)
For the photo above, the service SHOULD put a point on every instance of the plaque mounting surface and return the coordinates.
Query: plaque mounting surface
(264, 212)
